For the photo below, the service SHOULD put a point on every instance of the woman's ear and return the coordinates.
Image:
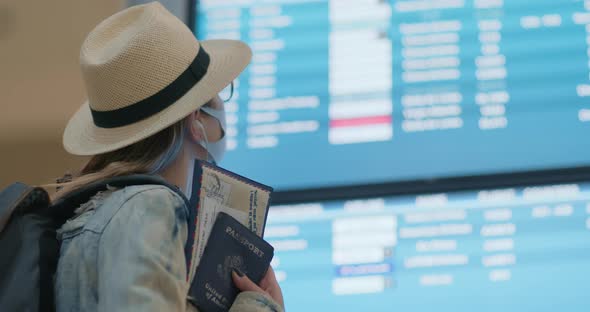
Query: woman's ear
(194, 124)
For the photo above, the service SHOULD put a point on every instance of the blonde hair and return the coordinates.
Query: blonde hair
(149, 156)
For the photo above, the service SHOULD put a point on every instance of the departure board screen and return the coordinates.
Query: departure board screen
(351, 92)
(510, 250)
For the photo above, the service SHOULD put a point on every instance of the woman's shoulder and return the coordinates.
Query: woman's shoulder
(148, 193)
(143, 199)
(133, 204)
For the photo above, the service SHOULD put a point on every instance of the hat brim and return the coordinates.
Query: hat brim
(228, 59)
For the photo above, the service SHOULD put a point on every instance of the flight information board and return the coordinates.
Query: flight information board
(510, 250)
(345, 92)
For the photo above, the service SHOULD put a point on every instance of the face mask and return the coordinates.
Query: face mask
(215, 150)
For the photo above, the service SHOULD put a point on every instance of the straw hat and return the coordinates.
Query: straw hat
(144, 71)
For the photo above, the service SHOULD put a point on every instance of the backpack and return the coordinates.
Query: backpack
(29, 249)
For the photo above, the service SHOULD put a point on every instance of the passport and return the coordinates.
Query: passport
(230, 245)
(218, 190)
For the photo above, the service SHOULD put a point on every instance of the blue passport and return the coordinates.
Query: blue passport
(230, 245)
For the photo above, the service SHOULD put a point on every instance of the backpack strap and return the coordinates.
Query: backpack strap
(19, 197)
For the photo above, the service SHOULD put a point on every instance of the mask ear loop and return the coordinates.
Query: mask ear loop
(231, 93)
(205, 137)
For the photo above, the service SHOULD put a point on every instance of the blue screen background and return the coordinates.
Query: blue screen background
(537, 119)
(544, 252)
(345, 92)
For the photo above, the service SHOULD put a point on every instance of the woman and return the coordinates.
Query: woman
(152, 108)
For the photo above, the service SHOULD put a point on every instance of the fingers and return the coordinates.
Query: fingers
(269, 279)
(269, 284)
(244, 283)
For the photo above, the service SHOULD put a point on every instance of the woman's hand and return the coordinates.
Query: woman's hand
(268, 285)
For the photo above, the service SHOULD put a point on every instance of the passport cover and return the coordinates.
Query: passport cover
(215, 187)
(230, 245)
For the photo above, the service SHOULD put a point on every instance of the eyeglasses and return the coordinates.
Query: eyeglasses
(227, 93)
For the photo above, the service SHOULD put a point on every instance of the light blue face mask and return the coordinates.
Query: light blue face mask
(215, 150)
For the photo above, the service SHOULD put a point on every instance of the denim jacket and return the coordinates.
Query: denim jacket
(124, 251)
